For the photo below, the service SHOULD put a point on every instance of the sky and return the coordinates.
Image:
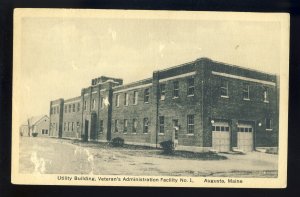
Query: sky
(60, 56)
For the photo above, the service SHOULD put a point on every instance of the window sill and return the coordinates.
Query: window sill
(190, 95)
(146, 102)
(246, 99)
(125, 133)
(222, 96)
(145, 133)
(133, 133)
(175, 97)
(190, 134)
(269, 129)
(266, 101)
(161, 134)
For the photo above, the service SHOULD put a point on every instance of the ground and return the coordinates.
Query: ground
(58, 156)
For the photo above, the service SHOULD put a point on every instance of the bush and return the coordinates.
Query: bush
(167, 146)
(117, 142)
(34, 134)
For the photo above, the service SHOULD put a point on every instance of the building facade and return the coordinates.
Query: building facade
(36, 124)
(201, 105)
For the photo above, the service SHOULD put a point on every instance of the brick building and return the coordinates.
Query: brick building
(200, 105)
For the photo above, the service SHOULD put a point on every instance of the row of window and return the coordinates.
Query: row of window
(54, 110)
(224, 89)
(162, 93)
(70, 126)
(72, 108)
(190, 125)
(44, 131)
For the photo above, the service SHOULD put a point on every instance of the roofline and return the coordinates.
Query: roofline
(132, 83)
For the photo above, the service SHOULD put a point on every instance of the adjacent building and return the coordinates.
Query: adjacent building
(200, 105)
(36, 124)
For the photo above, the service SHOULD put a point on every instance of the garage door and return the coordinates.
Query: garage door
(245, 137)
(221, 136)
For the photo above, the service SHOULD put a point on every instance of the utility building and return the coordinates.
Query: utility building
(201, 105)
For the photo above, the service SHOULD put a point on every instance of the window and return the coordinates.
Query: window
(46, 131)
(117, 100)
(77, 125)
(161, 124)
(266, 95)
(175, 89)
(146, 95)
(246, 92)
(162, 89)
(268, 124)
(135, 97)
(224, 89)
(70, 108)
(126, 96)
(134, 125)
(74, 107)
(116, 125)
(66, 109)
(85, 105)
(146, 125)
(101, 126)
(68, 126)
(78, 107)
(94, 104)
(125, 126)
(190, 124)
(72, 126)
(102, 102)
(54, 110)
(65, 126)
(191, 87)
(57, 109)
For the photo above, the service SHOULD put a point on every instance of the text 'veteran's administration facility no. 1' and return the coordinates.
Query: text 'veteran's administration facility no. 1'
(201, 105)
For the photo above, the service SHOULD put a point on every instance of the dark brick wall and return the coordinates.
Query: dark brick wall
(235, 109)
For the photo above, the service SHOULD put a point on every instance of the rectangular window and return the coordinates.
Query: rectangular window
(224, 89)
(125, 126)
(101, 126)
(146, 125)
(54, 110)
(126, 96)
(175, 89)
(190, 124)
(146, 95)
(117, 100)
(161, 124)
(77, 125)
(266, 95)
(162, 89)
(70, 108)
(68, 126)
(135, 97)
(191, 87)
(65, 126)
(134, 125)
(78, 107)
(66, 109)
(269, 124)
(94, 104)
(85, 105)
(72, 126)
(246, 92)
(102, 102)
(74, 107)
(57, 109)
(46, 131)
(116, 125)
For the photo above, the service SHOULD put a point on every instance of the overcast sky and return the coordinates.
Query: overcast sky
(61, 55)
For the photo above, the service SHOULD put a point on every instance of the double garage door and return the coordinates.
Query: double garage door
(221, 137)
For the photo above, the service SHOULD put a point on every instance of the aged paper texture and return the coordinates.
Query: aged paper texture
(150, 98)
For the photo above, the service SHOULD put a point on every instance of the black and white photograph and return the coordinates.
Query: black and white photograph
(150, 98)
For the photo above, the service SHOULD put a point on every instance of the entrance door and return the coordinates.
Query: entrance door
(245, 137)
(86, 130)
(221, 136)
